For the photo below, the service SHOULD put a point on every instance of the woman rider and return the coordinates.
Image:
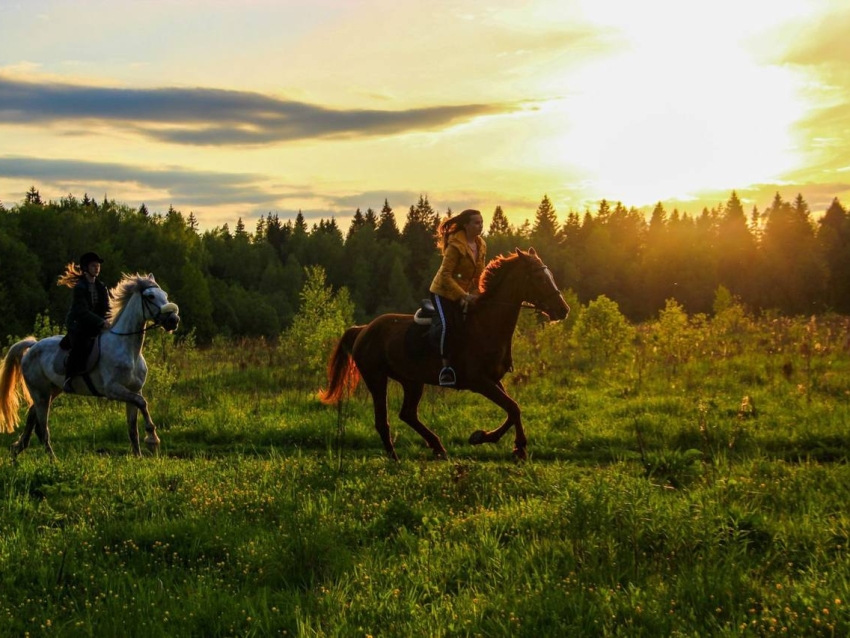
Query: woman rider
(88, 312)
(456, 282)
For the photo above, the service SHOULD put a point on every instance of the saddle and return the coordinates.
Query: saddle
(60, 362)
(423, 335)
(425, 313)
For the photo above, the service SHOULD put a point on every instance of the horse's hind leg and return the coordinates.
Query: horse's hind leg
(36, 421)
(23, 441)
(42, 430)
(410, 414)
(133, 427)
(378, 388)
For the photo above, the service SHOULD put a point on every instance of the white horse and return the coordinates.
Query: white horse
(117, 373)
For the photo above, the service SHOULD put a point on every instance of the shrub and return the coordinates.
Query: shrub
(602, 332)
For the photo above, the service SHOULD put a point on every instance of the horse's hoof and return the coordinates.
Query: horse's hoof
(441, 455)
(520, 454)
(478, 437)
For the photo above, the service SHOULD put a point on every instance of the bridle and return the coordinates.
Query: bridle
(150, 312)
(536, 305)
(554, 292)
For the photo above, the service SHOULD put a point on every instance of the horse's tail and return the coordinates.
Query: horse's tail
(343, 375)
(12, 387)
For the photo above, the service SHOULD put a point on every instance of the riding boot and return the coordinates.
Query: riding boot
(73, 365)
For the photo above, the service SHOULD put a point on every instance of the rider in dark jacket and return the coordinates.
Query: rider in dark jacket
(88, 312)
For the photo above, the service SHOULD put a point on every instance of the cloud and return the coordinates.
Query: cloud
(820, 49)
(823, 43)
(200, 188)
(215, 117)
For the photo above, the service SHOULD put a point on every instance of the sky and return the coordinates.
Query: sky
(233, 110)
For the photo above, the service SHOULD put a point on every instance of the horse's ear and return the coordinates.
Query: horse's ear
(150, 276)
(531, 250)
(517, 251)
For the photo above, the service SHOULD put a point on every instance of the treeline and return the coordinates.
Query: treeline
(247, 282)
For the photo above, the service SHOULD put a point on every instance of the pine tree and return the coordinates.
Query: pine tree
(33, 197)
(499, 225)
(833, 240)
(240, 232)
(143, 210)
(735, 249)
(300, 223)
(370, 219)
(260, 230)
(545, 228)
(794, 275)
(357, 223)
(418, 238)
(387, 226)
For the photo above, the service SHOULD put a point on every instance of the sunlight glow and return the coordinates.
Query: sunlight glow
(674, 113)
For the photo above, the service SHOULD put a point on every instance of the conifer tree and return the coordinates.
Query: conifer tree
(370, 218)
(260, 230)
(545, 227)
(499, 224)
(33, 197)
(833, 240)
(357, 223)
(793, 274)
(387, 226)
(418, 238)
(735, 249)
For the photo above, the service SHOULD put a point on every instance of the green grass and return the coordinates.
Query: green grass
(650, 506)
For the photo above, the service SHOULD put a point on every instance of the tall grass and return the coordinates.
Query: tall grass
(712, 501)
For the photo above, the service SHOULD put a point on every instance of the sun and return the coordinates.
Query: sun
(672, 113)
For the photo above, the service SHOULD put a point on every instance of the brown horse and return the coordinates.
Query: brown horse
(380, 351)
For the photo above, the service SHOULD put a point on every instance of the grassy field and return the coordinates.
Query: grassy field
(694, 483)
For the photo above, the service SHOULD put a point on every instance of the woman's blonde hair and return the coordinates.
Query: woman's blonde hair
(71, 275)
(451, 225)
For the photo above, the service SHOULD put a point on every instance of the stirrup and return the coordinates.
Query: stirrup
(447, 376)
(68, 387)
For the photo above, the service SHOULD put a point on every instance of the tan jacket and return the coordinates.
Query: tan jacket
(460, 272)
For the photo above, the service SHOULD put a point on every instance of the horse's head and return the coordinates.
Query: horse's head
(157, 307)
(540, 289)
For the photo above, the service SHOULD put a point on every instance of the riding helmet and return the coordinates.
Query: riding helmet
(88, 258)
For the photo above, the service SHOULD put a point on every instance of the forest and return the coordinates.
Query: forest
(247, 282)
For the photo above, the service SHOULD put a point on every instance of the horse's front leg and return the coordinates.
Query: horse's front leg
(135, 401)
(495, 391)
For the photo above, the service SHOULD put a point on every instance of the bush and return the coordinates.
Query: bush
(321, 320)
(602, 332)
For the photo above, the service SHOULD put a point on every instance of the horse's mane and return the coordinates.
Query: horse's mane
(125, 289)
(495, 272)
